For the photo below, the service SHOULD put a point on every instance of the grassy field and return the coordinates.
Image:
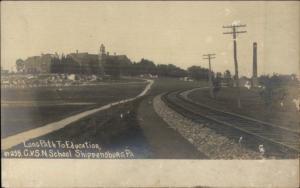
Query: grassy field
(93, 93)
(114, 133)
(44, 105)
(34, 107)
(254, 106)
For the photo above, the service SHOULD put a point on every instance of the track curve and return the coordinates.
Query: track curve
(278, 141)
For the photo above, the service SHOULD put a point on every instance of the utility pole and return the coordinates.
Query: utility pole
(234, 33)
(209, 57)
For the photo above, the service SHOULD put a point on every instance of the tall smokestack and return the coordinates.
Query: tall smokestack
(254, 74)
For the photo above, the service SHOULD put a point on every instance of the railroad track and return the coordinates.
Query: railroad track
(278, 141)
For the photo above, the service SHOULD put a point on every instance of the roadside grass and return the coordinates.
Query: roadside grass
(100, 126)
(254, 106)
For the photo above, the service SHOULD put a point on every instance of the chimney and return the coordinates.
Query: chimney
(254, 73)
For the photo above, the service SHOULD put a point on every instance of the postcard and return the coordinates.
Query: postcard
(150, 93)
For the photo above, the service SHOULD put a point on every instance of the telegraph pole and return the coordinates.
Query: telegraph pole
(234, 31)
(209, 57)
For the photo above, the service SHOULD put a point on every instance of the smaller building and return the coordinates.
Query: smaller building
(36, 64)
(4, 71)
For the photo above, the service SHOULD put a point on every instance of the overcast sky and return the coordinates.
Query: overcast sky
(165, 32)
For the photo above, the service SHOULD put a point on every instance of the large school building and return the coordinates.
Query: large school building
(76, 62)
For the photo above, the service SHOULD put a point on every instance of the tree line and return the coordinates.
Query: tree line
(115, 68)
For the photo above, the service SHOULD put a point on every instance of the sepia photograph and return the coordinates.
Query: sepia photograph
(150, 87)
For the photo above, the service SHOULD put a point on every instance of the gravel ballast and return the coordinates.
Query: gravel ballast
(206, 140)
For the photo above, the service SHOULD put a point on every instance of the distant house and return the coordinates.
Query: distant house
(245, 82)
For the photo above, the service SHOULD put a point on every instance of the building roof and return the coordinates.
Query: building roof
(83, 57)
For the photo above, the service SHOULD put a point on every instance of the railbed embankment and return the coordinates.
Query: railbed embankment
(214, 145)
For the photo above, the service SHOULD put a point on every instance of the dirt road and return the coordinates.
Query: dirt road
(162, 139)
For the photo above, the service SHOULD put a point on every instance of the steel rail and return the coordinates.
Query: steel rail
(175, 100)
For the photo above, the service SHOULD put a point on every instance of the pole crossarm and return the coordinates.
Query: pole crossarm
(209, 56)
(231, 26)
(234, 32)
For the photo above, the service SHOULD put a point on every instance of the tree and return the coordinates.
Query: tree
(217, 84)
(126, 67)
(146, 67)
(198, 73)
(273, 89)
(112, 67)
(170, 70)
(20, 64)
(227, 78)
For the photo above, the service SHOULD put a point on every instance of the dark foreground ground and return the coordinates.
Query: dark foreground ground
(131, 130)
